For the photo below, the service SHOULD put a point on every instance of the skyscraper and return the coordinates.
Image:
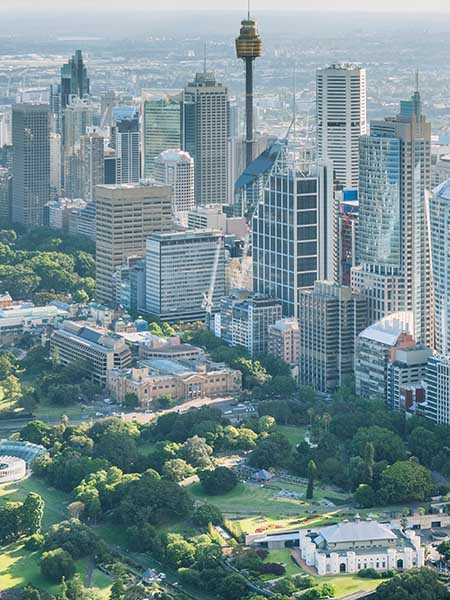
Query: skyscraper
(248, 47)
(78, 116)
(440, 260)
(176, 168)
(205, 137)
(74, 79)
(92, 163)
(125, 139)
(161, 126)
(292, 230)
(341, 119)
(126, 215)
(393, 241)
(31, 163)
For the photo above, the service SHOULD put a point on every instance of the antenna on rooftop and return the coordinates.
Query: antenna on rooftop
(204, 57)
(417, 80)
(248, 9)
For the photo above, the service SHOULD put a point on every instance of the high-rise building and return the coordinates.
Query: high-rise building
(205, 137)
(176, 168)
(374, 347)
(341, 119)
(293, 230)
(330, 319)
(126, 215)
(78, 116)
(284, 340)
(437, 385)
(179, 271)
(440, 171)
(74, 79)
(125, 140)
(439, 208)
(161, 126)
(55, 162)
(244, 321)
(31, 163)
(5, 195)
(393, 241)
(248, 47)
(92, 163)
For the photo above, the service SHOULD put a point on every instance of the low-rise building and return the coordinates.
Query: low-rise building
(181, 380)
(19, 318)
(405, 375)
(94, 349)
(284, 340)
(348, 547)
(245, 318)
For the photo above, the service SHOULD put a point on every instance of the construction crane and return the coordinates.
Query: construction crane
(208, 297)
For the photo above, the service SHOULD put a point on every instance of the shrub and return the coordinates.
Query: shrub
(34, 542)
(207, 513)
(57, 564)
(369, 573)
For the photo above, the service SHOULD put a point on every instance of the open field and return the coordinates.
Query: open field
(283, 555)
(294, 434)
(349, 584)
(55, 500)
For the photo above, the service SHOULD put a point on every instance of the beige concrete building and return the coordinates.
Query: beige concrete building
(94, 348)
(126, 215)
(284, 340)
(181, 380)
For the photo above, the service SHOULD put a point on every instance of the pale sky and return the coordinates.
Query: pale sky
(35, 6)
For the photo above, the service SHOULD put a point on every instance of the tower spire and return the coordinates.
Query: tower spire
(417, 81)
(204, 57)
(248, 10)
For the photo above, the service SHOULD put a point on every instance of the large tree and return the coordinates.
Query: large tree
(405, 481)
(418, 584)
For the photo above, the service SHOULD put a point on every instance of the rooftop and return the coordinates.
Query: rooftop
(388, 330)
(356, 531)
(443, 190)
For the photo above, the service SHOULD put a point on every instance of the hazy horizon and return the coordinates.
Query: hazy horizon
(377, 6)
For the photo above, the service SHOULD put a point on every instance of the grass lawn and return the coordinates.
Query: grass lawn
(100, 582)
(19, 567)
(349, 584)
(45, 409)
(283, 555)
(294, 434)
(55, 500)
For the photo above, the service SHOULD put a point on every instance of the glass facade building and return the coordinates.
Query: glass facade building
(161, 126)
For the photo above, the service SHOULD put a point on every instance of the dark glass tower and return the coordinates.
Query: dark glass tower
(74, 79)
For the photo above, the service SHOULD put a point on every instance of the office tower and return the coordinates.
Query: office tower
(161, 126)
(92, 163)
(292, 230)
(284, 340)
(179, 271)
(73, 186)
(330, 318)
(440, 171)
(244, 321)
(56, 113)
(176, 168)
(110, 165)
(406, 371)
(126, 215)
(437, 385)
(341, 119)
(107, 103)
(248, 47)
(373, 348)
(31, 163)
(125, 140)
(78, 116)
(205, 137)
(82, 221)
(439, 210)
(55, 162)
(5, 195)
(392, 241)
(74, 79)
(5, 129)
(130, 284)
